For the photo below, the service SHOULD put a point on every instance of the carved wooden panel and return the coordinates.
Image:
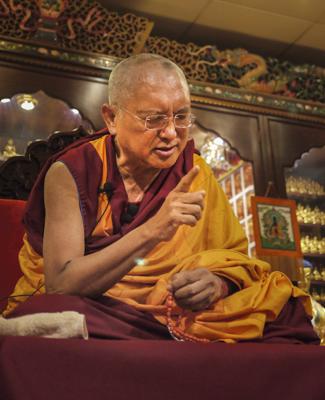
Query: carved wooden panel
(242, 132)
(18, 174)
(85, 26)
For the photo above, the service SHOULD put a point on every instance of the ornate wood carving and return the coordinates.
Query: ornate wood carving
(18, 174)
(86, 38)
(85, 26)
(240, 69)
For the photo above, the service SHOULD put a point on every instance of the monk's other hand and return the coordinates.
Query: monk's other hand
(180, 207)
(197, 289)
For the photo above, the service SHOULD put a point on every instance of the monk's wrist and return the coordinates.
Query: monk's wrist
(227, 287)
(224, 291)
(149, 238)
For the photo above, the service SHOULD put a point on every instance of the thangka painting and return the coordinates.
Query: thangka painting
(276, 228)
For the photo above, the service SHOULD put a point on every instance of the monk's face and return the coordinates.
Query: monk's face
(159, 92)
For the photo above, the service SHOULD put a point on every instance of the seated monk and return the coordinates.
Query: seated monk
(130, 227)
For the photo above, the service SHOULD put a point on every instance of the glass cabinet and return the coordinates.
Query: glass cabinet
(305, 183)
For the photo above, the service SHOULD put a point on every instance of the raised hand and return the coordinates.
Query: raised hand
(180, 207)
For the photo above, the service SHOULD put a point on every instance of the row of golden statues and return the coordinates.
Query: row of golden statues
(312, 244)
(308, 215)
(315, 273)
(304, 187)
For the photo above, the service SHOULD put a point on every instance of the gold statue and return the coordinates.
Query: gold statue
(304, 186)
(318, 320)
(9, 150)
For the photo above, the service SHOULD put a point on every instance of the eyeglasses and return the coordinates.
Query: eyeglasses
(160, 121)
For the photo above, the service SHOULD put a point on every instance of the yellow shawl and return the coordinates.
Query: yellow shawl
(217, 243)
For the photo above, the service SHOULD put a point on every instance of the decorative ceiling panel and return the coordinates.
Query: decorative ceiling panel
(308, 10)
(322, 19)
(314, 37)
(183, 10)
(233, 17)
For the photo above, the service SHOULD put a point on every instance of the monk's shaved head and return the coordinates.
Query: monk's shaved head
(130, 74)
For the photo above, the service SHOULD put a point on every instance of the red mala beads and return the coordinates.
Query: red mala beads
(173, 327)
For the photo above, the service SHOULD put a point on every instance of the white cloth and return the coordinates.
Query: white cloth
(60, 325)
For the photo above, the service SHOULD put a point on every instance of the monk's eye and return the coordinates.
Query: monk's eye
(182, 117)
(183, 120)
(156, 121)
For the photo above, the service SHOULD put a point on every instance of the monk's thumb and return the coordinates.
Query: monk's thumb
(185, 183)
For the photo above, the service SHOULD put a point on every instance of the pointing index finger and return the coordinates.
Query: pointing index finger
(185, 183)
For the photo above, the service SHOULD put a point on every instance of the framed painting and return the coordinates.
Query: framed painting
(276, 228)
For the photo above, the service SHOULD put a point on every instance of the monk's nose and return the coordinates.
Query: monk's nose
(169, 132)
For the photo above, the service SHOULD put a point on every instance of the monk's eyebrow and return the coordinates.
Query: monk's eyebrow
(183, 110)
(154, 111)
(150, 111)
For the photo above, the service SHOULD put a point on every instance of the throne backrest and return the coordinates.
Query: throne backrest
(18, 173)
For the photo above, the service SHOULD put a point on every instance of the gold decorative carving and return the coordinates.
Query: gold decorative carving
(83, 31)
(95, 29)
(195, 61)
(19, 19)
(85, 26)
(240, 69)
(186, 56)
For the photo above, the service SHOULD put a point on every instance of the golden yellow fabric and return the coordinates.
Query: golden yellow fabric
(218, 243)
(32, 281)
(104, 210)
(31, 263)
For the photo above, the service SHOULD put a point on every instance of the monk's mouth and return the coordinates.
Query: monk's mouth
(165, 151)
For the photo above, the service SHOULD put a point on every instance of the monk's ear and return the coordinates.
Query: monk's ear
(109, 116)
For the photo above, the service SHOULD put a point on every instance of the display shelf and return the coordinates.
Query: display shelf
(306, 198)
(318, 226)
(314, 255)
(317, 283)
(310, 232)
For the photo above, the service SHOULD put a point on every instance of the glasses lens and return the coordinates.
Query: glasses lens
(160, 121)
(157, 121)
(183, 120)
